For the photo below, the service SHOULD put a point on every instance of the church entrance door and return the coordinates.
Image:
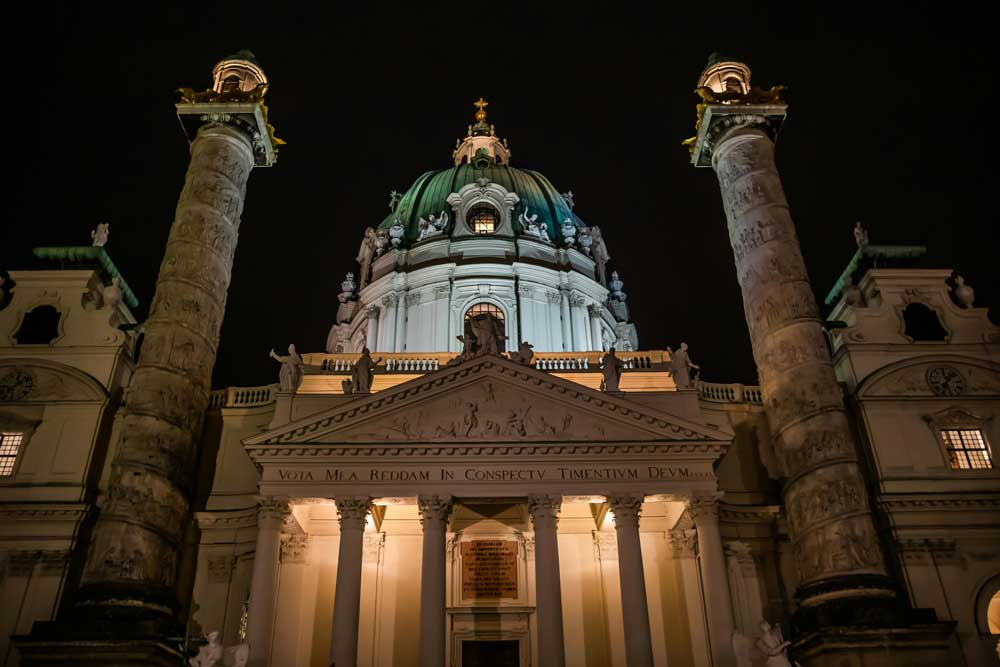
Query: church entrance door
(498, 653)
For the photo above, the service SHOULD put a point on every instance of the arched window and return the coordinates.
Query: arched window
(483, 219)
(921, 323)
(40, 326)
(484, 309)
(231, 82)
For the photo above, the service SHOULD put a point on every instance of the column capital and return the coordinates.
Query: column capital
(373, 311)
(704, 505)
(544, 507)
(352, 511)
(594, 310)
(273, 507)
(626, 508)
(389, 300)
(435, 509)
(684, 542)
(577, 300)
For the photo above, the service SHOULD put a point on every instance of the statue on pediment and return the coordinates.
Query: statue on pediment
(525, 353)
(362, 374)
(611, 370)
(290, 375)
(681, 367)
(484, 334)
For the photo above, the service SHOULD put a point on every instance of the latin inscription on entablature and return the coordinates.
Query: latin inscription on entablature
(464, 475)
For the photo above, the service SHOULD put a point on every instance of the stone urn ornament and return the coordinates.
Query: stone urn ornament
(964, 294)
(396, 233)
(568, 230)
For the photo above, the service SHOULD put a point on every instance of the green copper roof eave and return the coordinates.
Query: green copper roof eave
(87, 255)
(873, 253)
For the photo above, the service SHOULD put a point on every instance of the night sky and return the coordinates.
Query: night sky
(888, 123)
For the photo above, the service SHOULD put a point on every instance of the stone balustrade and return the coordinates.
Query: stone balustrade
(732, 392)
(242, 397)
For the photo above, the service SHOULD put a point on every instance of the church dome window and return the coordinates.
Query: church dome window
(483, 219)
(484, 309)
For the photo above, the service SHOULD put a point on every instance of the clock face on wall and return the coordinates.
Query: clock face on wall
(945, 381)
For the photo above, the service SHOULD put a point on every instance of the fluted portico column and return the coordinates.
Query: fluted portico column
(371, 340)
(580, 327)
(405, 301)
(595, 327)
(715, 579)
(387, 329)
(271, 516)
(548, 591)
(566, 320)
(434, 514)
(830, 522)
(635, 610)
(352, 513)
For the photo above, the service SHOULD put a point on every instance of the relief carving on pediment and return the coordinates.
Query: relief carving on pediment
(491, 411)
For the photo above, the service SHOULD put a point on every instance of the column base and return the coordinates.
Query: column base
(105, 643)
(929, 645)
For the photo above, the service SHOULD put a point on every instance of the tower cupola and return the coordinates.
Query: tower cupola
(240, 71)
(725, 75)
(481, 146)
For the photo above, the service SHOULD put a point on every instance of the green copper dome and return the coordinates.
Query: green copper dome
(429, 194)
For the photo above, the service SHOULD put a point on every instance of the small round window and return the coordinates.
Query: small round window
(483, 219)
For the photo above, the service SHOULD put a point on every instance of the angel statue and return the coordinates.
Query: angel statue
(773, 646)
(530, 225)
(394, 198)
(599, 253)
(568, 230)
(100, 235)
(568, 196)
(860, 235)
(290, 375)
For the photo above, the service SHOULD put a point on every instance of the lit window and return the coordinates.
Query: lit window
(10, 444)
(967, 449)
(484, 309)
(483, 219)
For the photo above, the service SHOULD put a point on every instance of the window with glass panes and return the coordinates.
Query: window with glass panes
(10, 445)
(967, 449)
(483, 219)
(484, 309)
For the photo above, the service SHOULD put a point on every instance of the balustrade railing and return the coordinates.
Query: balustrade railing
(729, 392)
(242, 397)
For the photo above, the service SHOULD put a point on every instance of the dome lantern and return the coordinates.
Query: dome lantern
(240, 71)
(725, 75)
(481, 146)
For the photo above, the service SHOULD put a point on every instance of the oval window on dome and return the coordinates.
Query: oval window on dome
(483, 219)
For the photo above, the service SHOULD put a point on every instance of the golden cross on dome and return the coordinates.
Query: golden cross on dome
(480, 105)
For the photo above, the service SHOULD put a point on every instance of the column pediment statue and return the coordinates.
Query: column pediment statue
(525, 353)
(484, 334)
(100, 235)
(362, 374)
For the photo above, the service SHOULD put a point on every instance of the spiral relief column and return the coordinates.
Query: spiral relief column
(837, 549)
(130, 573)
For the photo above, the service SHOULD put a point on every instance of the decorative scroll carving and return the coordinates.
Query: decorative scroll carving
(704, 506)
(684, 542)
(220, 568)
(372, 547)
(606, 543)
(273, 507)
(294, 548)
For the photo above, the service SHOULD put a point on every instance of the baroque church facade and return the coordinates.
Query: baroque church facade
(482, 465)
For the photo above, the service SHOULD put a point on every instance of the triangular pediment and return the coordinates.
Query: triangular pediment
(489, 399)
